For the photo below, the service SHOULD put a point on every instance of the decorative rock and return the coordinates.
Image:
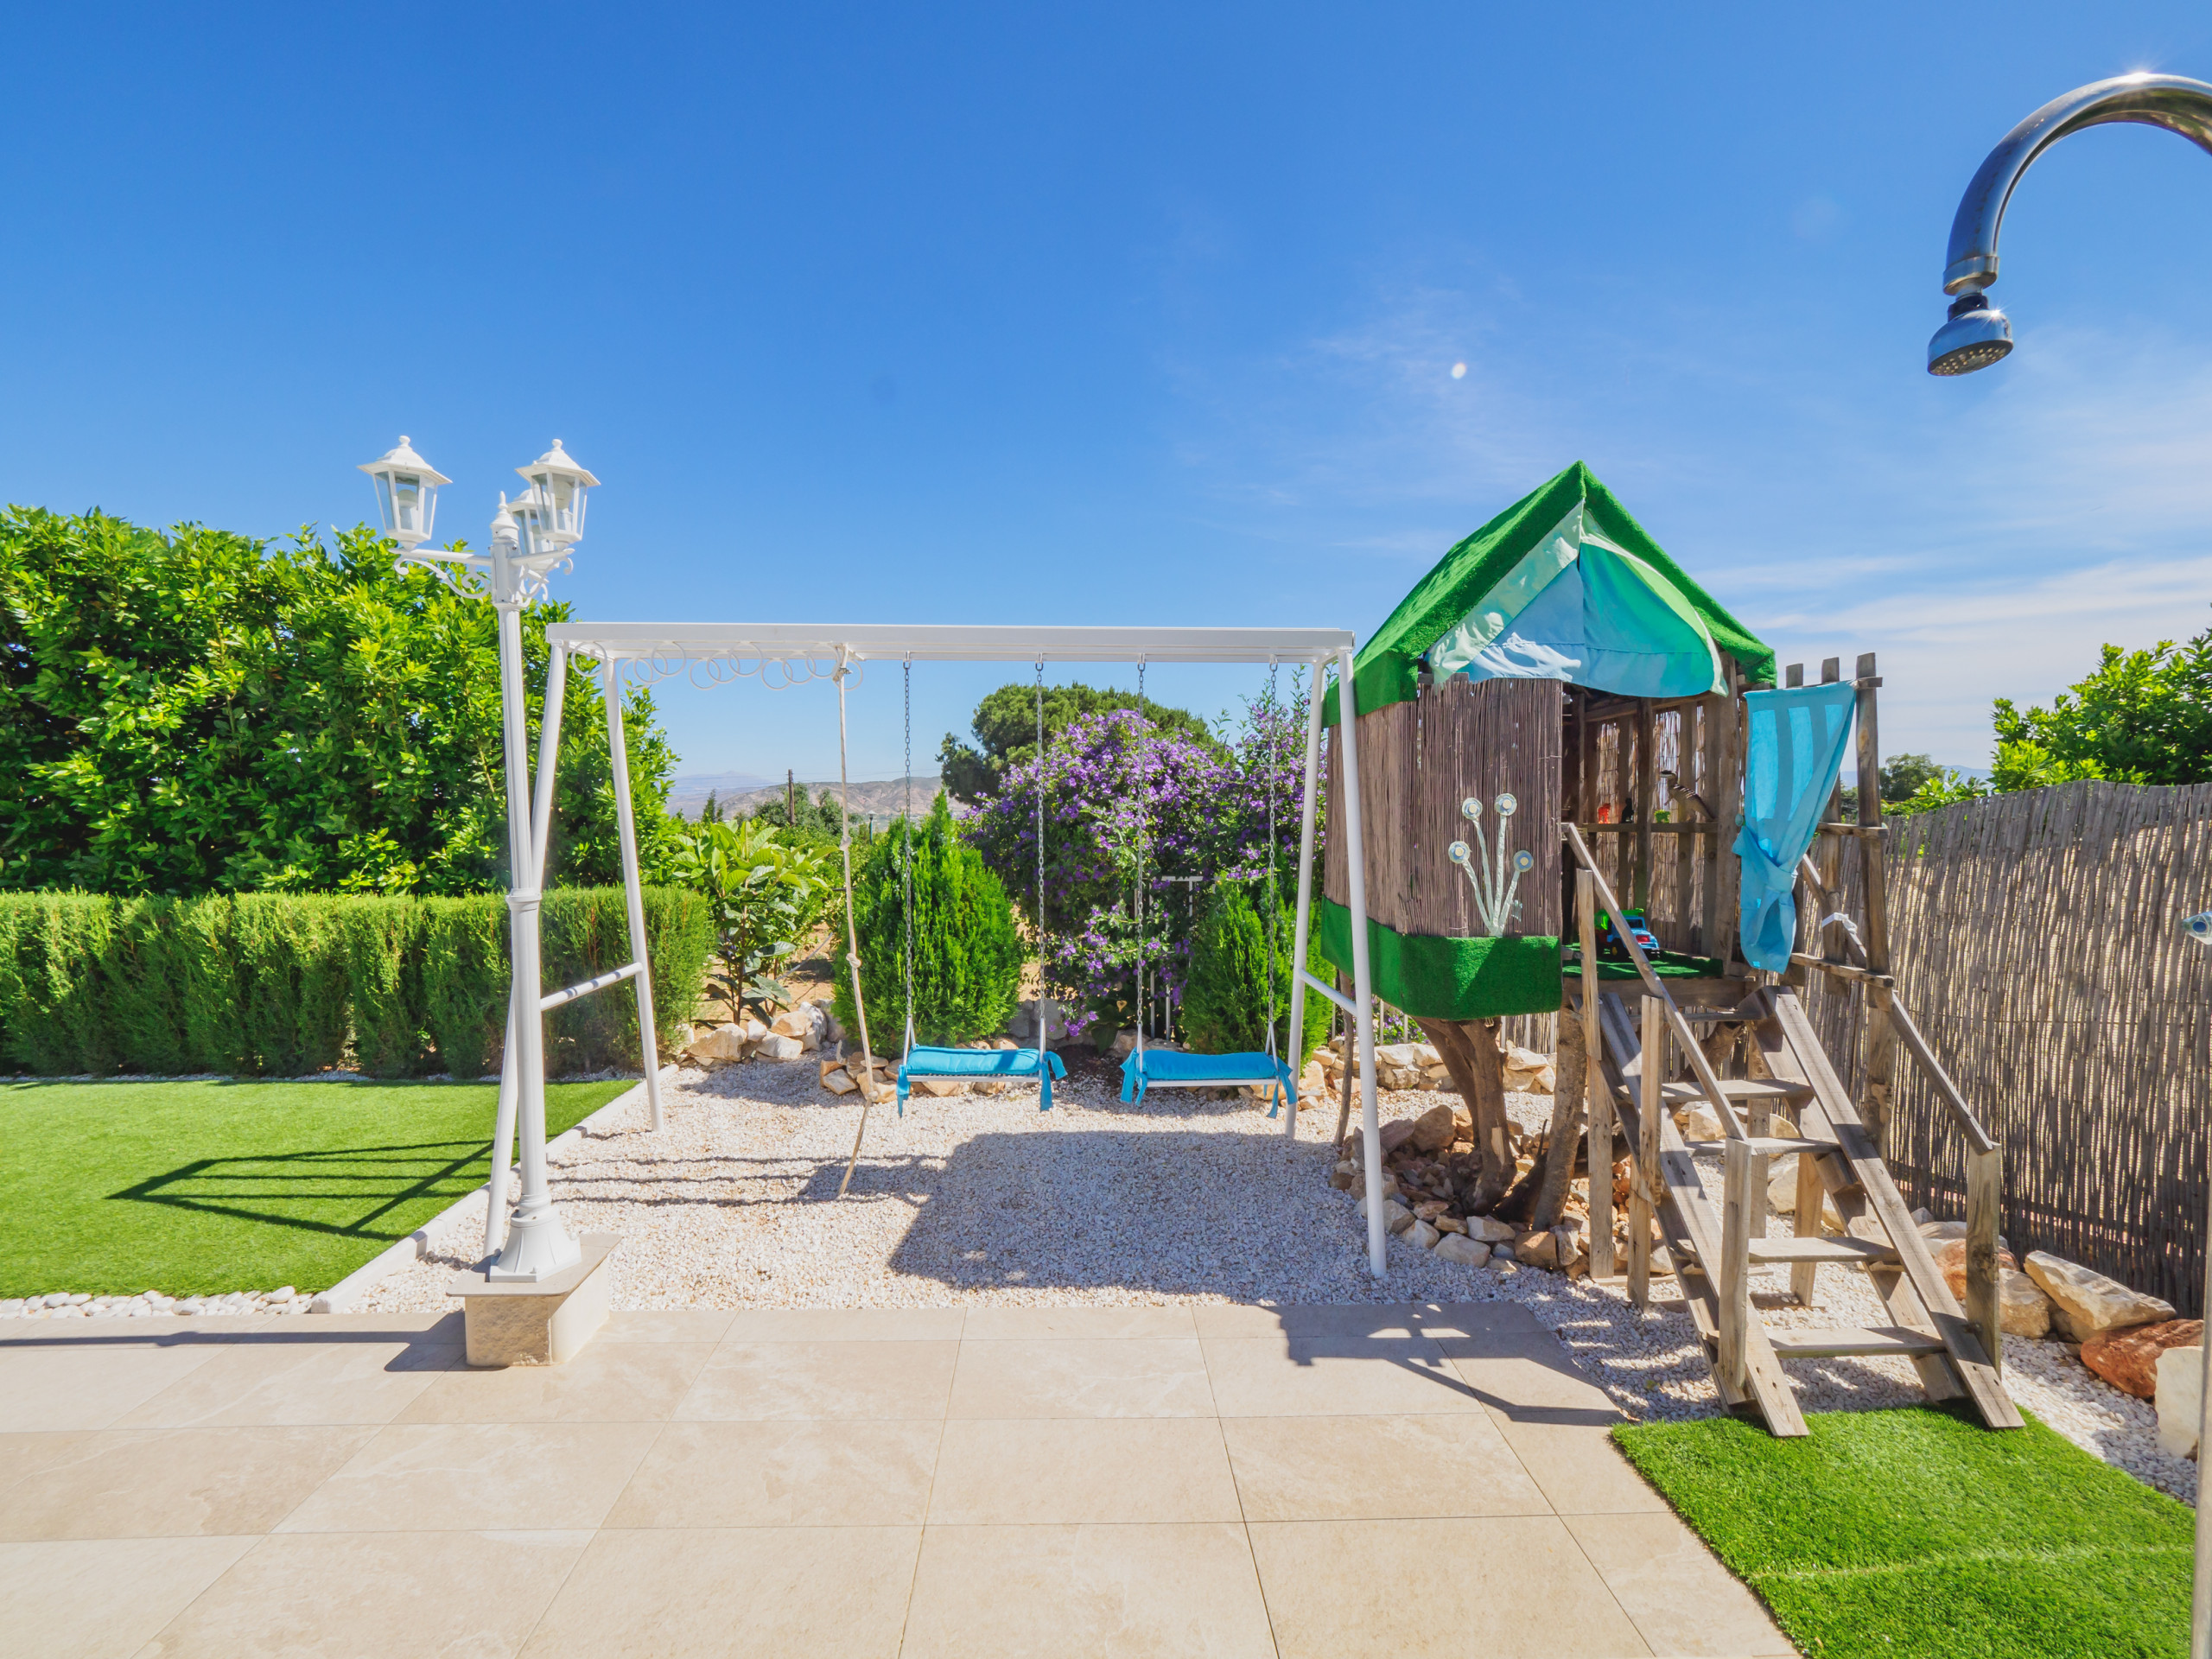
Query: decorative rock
(1396, 1217)
(723, 1043)
(1450, 1224)
(776, 1046)
(1431, 1131)
(1952, 1259)
(1527, 1072)
(1537, 1250)
(1344, 1175)
(804, 1022)
(1699, 1121)
(1456, 1247)
(2128, 1358)
(1422, 1235)
(2181, 1399)
(2088, 1304)
(1487, 1229)
(838, 1081)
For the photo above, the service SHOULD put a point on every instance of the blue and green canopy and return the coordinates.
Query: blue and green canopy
(1563, 585)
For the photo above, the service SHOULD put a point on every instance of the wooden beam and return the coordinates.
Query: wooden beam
(1647, 801)
(1901, 1022)
(1840, 969)
(1878, 1046)
(1650, 1110)
(1983, 1302)
(1597, 1098)
(1735, 1259)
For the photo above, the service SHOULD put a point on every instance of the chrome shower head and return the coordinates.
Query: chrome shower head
(1976, 336)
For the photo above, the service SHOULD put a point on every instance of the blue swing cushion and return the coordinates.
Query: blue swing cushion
(1173, 1066)
(980, 1063)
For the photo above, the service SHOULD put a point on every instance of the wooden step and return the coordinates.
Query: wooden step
(1777, 1145)
(1835, 1344)
(1820, 1249)
(1740, 1091)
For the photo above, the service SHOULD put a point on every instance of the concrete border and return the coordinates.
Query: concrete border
(404, 1253)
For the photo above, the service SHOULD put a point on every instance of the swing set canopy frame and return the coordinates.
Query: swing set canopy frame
(657, 650)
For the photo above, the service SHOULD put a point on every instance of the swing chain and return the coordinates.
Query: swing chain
(907, 863)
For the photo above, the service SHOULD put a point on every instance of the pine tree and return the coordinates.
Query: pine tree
(967, 954)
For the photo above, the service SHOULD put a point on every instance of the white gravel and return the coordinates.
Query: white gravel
(1186, 1198)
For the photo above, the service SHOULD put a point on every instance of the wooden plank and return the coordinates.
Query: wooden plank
(1741, 1090)
(1651, 1110)
(1597, 1102)
(1814, 1344)
(1647, 801)
(1735, 1261)
(1812, 1200)
(1802, 1249)
(1693, 1234)
(1968, 1355)
(1982, 1203)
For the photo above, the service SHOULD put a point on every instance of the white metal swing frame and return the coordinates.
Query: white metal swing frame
(792, 653)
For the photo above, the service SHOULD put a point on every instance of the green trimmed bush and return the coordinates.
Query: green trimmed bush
(968, 955)
(286, 984)
(1225, 1003)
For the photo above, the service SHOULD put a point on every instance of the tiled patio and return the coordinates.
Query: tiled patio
(1221, 1481)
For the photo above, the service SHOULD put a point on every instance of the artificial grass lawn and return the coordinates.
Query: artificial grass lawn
(192, 1188)
(1919, 1532)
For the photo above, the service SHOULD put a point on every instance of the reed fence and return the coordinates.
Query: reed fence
(2036, 938)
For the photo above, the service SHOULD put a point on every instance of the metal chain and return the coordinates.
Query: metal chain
(907, 864)
(1144, 830)
(1274, 897)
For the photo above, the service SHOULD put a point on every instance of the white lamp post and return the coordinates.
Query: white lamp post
(529, 538)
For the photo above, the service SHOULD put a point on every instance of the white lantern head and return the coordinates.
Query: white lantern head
(407, 494)
(559, 485)
(531, 522)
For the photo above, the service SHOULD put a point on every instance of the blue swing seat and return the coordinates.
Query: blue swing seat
(981, 1063)
(1173, 1068)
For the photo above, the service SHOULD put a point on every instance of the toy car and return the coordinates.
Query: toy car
(1609, 939)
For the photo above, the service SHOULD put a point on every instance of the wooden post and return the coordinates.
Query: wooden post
(1647, 800)
(1984, 1176)
(1599, 1103)
(1735, 1286)
(1812, 1202)
(1880, 1038)
(1645, 1185)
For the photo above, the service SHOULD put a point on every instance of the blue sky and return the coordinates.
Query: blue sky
(1133, 315)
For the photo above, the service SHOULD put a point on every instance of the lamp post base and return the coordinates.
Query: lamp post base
(538, 1246)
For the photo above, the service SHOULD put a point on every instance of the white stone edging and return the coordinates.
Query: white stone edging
(405, 1252)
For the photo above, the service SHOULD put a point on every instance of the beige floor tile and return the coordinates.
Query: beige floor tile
(666, 1325)
(447, 1328)
(608, 1383)
(92, 1599)
(1520, 1589)
(1044, 1324)
(160, 1330)
(278, 1385)
(783, 1474)
(1577, 1466)
(1070, 1469)
(1220, 1323)
(472, 1475)
(375, 1596)
(1333, 1377)
(775, 1591)
(758, 1380)
(1134, 1591)
(1441, 1320)
(168, 1482)
(87, 1387)
(1377, 1468)
(1132, 1376)
(1529, 1372)
(846, 1324)
(1681, 1597)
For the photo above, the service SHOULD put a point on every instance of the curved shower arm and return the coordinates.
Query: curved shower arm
(2173, 102)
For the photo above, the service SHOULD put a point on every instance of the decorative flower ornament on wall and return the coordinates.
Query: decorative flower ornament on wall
(1494, 899)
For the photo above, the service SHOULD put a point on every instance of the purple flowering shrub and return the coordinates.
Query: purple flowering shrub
(1123, 794)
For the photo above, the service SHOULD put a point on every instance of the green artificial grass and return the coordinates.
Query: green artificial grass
(1917, 1532)
(194, 1188)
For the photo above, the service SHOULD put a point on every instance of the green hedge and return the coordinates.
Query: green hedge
(1226, 1004)
(286, 984)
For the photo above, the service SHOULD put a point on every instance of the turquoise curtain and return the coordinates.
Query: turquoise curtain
(1797, 740)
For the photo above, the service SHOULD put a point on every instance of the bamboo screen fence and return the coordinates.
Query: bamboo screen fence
(2036, 938)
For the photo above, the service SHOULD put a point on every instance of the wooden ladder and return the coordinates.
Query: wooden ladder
(1837, 1164)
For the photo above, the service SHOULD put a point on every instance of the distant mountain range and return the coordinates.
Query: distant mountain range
(739, 791)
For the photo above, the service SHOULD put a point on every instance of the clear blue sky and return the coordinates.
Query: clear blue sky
(1129, 314)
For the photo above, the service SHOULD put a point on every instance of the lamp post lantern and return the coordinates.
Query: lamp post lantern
(530, 538)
